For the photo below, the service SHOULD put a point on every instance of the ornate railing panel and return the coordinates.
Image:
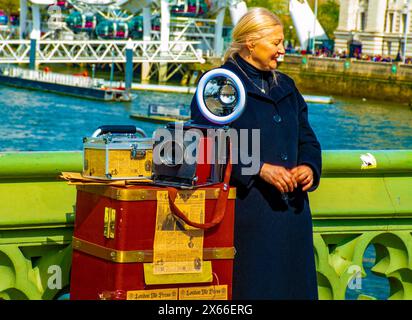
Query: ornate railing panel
(358, 204)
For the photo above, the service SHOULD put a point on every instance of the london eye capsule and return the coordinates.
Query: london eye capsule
(190, 8)
(111, 29)
(89, 22)
(79, 22)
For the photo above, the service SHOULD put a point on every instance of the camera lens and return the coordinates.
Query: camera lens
(227, 94)
(172, 154)
(220, 96)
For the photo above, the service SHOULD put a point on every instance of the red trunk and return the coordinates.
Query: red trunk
(93, 272)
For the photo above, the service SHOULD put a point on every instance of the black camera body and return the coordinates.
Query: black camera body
(189, 155)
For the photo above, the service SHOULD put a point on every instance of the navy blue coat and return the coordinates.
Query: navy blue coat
(273, 237)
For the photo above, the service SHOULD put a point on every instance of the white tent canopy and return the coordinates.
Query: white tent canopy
(305, 22)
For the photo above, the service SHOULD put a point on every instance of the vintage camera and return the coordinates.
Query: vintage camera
(190, 154)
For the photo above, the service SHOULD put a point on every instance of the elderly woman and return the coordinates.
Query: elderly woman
(273, 224)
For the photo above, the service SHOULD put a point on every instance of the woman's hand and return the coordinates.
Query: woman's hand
(303, 174)
(278, 176)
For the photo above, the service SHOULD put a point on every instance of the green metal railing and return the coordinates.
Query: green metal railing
(36, 224)
(356, 206)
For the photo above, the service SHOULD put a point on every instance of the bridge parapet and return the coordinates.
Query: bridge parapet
(364, 200)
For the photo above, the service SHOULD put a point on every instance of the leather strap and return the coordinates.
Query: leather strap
(220, 207)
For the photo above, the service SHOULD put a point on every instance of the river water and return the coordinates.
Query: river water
(38, 121)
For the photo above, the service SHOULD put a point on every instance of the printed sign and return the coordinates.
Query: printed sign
(218, 292)
(204, 293)
(178, 248)
(158, 294)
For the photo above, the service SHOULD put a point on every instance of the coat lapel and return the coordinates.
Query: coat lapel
(280, 90)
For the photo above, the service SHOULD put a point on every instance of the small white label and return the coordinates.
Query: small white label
(368, 161)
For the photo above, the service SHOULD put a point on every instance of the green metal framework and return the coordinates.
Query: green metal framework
(353, 208)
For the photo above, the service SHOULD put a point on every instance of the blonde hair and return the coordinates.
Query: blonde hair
(251, 27)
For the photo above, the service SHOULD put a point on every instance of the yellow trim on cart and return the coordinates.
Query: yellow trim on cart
(132, 256)
(129, 194)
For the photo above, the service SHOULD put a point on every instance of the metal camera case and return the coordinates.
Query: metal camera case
(117, 153)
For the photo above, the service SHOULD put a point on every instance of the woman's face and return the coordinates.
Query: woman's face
(266, 51)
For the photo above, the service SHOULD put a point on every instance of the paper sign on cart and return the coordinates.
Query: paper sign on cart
(178, 248)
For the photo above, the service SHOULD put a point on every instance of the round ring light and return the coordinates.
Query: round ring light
(221, 96)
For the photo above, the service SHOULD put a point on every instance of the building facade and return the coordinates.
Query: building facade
(377, 26)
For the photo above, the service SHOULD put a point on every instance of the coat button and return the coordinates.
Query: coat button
(277, 118)
(284, 156)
